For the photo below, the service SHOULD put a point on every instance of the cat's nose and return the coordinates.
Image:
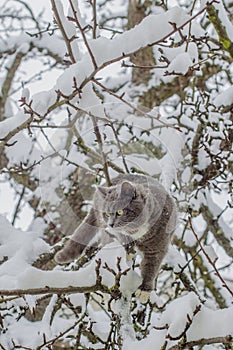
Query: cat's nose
(111, 224)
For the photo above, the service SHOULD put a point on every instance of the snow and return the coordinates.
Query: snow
(123, 308)
(9, 124)
(211, 323)
(34, 278)
(142, 163)
(107, 51)
(175, 259)
(25, 245)
(225, 98)
(172, 53)
(176, 320)
(32, 337)
(91, 103)
(108, 255)
(216, 210)
(43, 100)
(153, 28)
(80, 71)
(170, 162)
(23, 248)
(152, 340)
(23, 48)
(180, 64)
(54, 44)
(69, 27)
(31, 302)
(81, 18)
(100, 325)
(23, 150)
(224, 18)
(129, 283)
(206, 323)
(210, 252)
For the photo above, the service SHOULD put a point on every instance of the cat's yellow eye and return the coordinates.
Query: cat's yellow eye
(107, 214)
(120, 212)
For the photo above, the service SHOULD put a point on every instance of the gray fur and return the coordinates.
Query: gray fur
(136, 210)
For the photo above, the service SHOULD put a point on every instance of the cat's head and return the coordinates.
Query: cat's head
(122, 205)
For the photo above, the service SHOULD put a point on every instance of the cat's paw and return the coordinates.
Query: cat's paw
(61, 257)
(71, 251)
(143, 295)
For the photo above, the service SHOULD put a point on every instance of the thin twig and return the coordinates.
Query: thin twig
(53, 340)
(18, 205)
(135, 109)
(83, 35)
(190, 26)
(122, 56)
(119, 146)
(56, 153)
(94, 155)
(30, 12)
(103, 155)
(95, 71)
(208, 258)
(60, 24)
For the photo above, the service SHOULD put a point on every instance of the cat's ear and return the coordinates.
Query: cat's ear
(127, 190)
(102, 190)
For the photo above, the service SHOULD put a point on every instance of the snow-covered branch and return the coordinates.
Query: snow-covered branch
(90, 90)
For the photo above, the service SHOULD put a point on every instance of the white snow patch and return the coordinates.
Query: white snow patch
(180, 64)
(225, 98)
(10, 124)
(34, 278)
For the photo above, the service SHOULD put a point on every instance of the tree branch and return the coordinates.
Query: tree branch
(220, 29)
(214, 227)
(98, 69)
(51, 290)
(8, 82)
(227, 340)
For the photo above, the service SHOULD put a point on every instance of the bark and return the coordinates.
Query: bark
(136, 13)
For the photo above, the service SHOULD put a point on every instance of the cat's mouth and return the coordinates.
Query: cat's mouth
(123, 229)
(118, 226)
(115, 229)
(112, 228)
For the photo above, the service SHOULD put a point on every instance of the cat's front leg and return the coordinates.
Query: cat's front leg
(84, 233)
(70, 252)
(149, 271)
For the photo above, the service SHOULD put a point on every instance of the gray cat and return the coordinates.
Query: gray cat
(139, 213)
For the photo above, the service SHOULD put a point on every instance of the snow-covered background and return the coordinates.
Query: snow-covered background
(88, 90)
